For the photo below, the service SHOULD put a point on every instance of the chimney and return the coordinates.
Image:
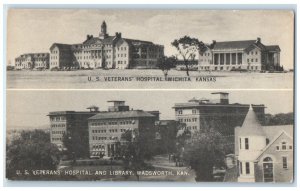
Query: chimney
(258, 39)
(223, 97)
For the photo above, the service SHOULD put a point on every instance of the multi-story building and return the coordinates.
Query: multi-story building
(106, 51)
(32, 61)
(264, 153)
(218, 114)
(73, 124)
(239, 55)
(106, 128)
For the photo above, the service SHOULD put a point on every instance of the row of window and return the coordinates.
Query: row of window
(122, 48)
(194, 111)
(252, 60)
(57, 139)
(121, 55)
(189, 128)
(121, 62)
(284, 147)
(58, 132)
(113, 123)
(104, 138)
(252, 53)
(58, 118)
(58, 125)
(187, 120)
(110, 130)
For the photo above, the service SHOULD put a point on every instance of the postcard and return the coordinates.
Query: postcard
(150, 95)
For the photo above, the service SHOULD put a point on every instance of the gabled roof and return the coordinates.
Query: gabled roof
(281, 133)
(122, 114)
(233, 44)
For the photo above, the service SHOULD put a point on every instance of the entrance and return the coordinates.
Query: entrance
(268, 169)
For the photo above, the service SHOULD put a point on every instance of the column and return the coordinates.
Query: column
(219, 59)
(236, 58)
(230, 59)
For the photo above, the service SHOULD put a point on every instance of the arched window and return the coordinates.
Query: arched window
(268, 159)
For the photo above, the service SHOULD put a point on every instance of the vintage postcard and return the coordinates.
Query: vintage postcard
(158, 49)
(150, 95)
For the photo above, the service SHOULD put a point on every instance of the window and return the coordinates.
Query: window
(240, 143)
(180, 112)
(241, 168)
(284, 162)
(194, 111)
(246, 143)
(267, 141)
(247, 168)
(283, 145)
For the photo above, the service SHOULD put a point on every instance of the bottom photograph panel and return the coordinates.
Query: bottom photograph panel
(180, 136)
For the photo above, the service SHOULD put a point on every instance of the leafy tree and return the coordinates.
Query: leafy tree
(32, 150)
(76, 145)
(187, 48)
(204, 151)
(166, 63)
(280, 119)
(136, 148)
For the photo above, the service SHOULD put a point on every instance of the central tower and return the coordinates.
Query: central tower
(103, 33)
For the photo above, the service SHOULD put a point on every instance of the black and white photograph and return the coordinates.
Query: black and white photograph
(190, 136)
(140, 49)
(145, 95)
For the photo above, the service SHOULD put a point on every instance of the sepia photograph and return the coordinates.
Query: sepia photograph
(140, 49)
(189, 136)
(150, 95)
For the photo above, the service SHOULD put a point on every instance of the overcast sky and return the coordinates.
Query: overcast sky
(29, 108)
(35, 30)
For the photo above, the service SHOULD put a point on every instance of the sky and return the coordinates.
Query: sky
(30, 108)
(35, 30)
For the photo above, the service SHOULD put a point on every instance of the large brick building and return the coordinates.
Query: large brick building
(71, 124)
(106, 128)
(32, 61)
(247, 55)
(105, 51)
(264, 153)
(215, 113)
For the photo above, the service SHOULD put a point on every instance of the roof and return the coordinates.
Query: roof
(272, 132)
(122, 114)
(135, 42)
(61, 46)
(92, 40)
(70, 112)
(233, 44)
(272, 48)
(251, 125)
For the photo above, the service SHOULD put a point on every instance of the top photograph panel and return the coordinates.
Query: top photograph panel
(149, 49)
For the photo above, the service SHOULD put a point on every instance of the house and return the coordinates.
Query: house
(264, 153)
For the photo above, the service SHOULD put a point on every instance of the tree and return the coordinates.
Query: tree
(204, 152)
(187, 48)
(136, 148)
(76, 145)
(280, 119)
(166, 63)
(32, 150)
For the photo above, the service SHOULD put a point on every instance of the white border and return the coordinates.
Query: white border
(265, 3)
